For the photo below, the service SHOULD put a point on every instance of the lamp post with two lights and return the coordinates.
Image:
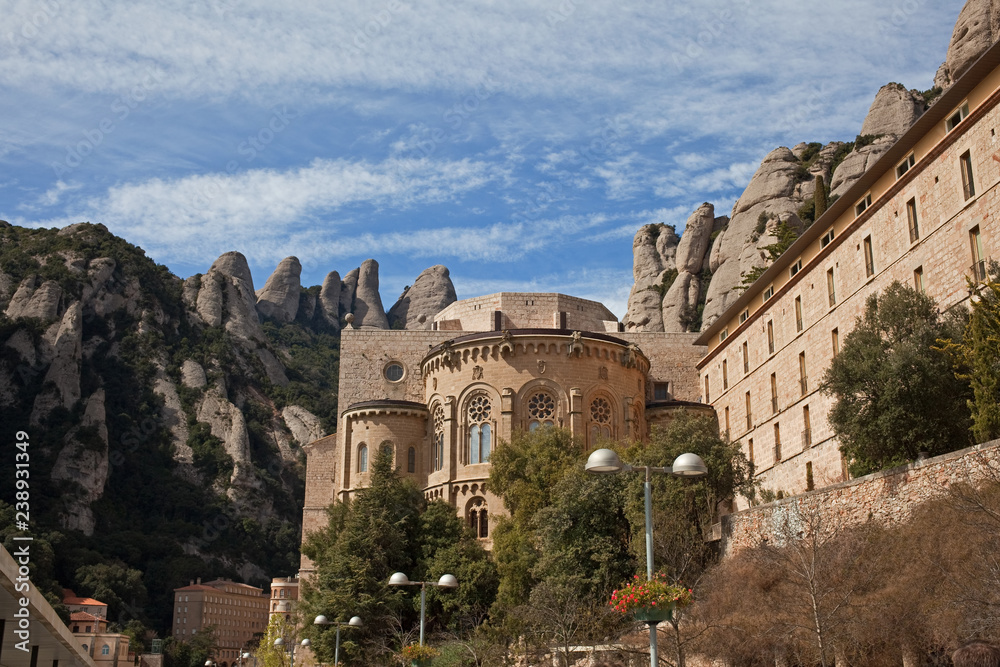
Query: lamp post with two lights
(606, 461)
(446, 581)
(355, 622)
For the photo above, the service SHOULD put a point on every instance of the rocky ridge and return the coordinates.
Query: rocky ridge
(671, 294)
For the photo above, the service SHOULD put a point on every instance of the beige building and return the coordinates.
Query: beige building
(284, 595)
(924, 214)
(442, 400)
(237, 611)
(89, 625)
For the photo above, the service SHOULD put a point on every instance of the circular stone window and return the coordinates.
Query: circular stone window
(393, 371)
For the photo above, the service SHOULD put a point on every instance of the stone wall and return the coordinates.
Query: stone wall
(887, 497)
(672, 358)
(526, 310)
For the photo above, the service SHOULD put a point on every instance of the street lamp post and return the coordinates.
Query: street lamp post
(446, 581)
(355, 622)
(603, 461)
(280, 643)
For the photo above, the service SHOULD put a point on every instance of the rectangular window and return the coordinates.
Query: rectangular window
(803, 378)
(869, 258)
(863, 205)
(918, 279)
(827, 238)
(798, 313)
(723, 335)
(968, 182)
(661, 391)
(905, 165)
(835, 339)
(911, 218)
(744, 315)
(774, 394)
(795, 268)
(769, 292)
(708, 397)
(727, 422)
(978, 260)
(770, 337)
(810, 484)
(777, 443)
(749, 413)
(725, 375)
(746, 358)
(750, 450)
(807, 438)
(831, 289)
(957, 117)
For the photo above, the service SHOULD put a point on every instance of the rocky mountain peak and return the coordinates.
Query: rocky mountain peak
(279, 297)
(430, 293)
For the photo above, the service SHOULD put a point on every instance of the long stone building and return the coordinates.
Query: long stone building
(924, 214)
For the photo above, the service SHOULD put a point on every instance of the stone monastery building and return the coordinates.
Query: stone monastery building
(924, 213)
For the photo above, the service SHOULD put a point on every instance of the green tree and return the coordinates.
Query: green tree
(895, 393)
(191, 653)
(269, 655)
(118, 586)
(977, 357)
(786, 236)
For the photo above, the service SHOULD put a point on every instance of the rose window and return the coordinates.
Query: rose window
(600, 411)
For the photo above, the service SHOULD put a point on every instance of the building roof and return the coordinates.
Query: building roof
(938, 111)
(69, 597)
(84, 616)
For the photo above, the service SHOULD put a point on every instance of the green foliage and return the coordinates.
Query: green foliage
(683, 509)
(863, 140)
(669, 276)
(810, 153)
(976, 356)
(786, 236)
(209, 452)
(312, 361)
(115, 584)
(842, 152)
(931, 94)
(895, 393)
(191, 653)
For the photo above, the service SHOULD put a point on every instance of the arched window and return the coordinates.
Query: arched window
(479, 517)
(363, 458)
(411, 460)
(600, 420)
(480, 435)
(105, 650)
(541, 410)
(387, 448)
(438, 448)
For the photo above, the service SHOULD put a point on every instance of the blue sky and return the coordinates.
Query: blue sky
(521, 144)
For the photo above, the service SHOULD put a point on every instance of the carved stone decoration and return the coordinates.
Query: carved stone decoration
(506, 342)
(434, 384)
(603, 373)
(541, 366)
(575, 345)
(477, 372)
(631, 356)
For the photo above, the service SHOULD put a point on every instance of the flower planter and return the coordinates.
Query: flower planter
(654, 614)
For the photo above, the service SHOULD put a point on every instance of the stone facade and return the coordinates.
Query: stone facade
(238, 612)
(888, 497)
(443, 399)
(769, 350)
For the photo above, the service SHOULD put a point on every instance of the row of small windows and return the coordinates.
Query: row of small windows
(778, 452)
(913, 227)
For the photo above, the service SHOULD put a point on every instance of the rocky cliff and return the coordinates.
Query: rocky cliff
(685, 283)
(168, 415)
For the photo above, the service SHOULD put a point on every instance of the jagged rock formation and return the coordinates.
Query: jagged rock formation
(304, 425)
(430, 293)
(977, 28)
(279, 297)
(226, 297)
(329, 300)
(83, 461)
(34, 300)
(782, 189)
(654, 253)
(368, 310)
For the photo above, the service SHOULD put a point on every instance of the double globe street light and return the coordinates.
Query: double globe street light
(355, 622)
(446, 581)
(280, 643)
(606, 461)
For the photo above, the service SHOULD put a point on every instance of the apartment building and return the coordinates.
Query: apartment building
(237, 611)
